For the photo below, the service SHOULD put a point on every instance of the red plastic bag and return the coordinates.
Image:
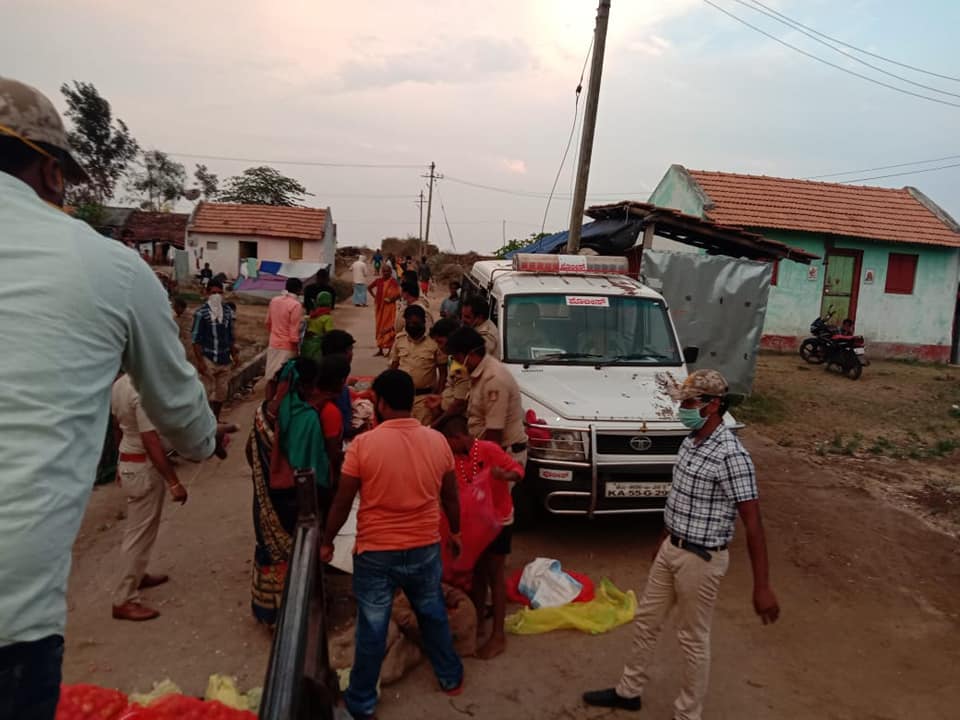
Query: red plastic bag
(478, 528)
(587, 593)
(89, 702)
(181, 707)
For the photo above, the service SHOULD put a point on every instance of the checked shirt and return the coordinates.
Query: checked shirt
(708, 481)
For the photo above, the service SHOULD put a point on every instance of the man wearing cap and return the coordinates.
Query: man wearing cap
(420, 357)
(214, 345)
(65, 341)
(713, 481)
(475, 313)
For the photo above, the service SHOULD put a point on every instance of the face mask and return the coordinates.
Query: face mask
(692, 418)
(415, 331)
(454, 367)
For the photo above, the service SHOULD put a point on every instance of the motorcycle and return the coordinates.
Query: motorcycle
(846, 354)
(814, 349)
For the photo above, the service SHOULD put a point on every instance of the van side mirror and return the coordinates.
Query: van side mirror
(690, 355)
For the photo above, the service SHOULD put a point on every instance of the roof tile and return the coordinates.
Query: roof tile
(267, 220)
(861, 211)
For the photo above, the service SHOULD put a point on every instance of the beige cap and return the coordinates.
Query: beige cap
(700, 382)
(28, 115)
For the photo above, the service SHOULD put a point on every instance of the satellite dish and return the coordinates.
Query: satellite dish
(192, 194)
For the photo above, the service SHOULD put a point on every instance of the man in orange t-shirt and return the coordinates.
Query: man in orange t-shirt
(404, 473)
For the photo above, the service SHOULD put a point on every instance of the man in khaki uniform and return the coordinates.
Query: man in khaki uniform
(453, 400)
(145, 473)
(419, 356)
(476, 314)
(410, 295)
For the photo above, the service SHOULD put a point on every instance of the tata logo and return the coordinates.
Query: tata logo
(641, 443)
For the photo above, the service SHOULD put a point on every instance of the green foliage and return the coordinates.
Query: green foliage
(518, 244)
(761, 409)
(159, 184)
(263, 186)
(91, 213)
(207, 181)
(104, 146)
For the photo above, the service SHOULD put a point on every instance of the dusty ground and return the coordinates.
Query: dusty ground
(870, 626)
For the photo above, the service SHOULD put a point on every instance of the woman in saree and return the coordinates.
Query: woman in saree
(386, 291)
(293, 428)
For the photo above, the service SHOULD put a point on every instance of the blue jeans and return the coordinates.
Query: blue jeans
(376, 577)
(30, 679)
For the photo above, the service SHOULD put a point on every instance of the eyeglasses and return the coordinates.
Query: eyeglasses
(698, 402)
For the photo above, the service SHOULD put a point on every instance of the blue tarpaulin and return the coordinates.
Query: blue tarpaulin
(591, 233)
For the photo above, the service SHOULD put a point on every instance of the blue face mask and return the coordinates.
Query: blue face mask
(692, 418)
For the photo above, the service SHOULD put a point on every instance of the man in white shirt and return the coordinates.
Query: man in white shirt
(361, 277)
(99, 307)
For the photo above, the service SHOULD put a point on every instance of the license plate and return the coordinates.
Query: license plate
(637, 489)
(858, 351)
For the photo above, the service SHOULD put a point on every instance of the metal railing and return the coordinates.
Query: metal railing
(299, 683)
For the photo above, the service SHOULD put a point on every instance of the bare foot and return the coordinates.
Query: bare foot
(493, 647)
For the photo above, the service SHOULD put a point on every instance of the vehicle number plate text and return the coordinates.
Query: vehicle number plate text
(637, 489)
(858, 351)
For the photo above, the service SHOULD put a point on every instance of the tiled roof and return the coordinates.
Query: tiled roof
(266, 220)
(758, 201)
(144, 226)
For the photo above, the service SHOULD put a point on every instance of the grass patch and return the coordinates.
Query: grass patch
(760, 409)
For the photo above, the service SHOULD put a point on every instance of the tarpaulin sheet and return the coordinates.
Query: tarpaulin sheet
(718, 304)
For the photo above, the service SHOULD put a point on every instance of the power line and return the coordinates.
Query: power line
(909, 172)
(827, 62)
(793, 25)
(573, 128)
(446, 222)
(858, 49)
(525, 193)
(882, 167)
(311, 163)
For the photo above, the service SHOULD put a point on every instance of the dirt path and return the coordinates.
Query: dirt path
(870, 625)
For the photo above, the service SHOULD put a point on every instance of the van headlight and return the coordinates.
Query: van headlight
(544, 443)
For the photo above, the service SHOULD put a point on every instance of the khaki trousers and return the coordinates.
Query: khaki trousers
(145, 490)
(421, 413)
(678, 578)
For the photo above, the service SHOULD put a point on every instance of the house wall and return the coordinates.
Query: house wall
(918, 325)
(676, 191)
(226, 258)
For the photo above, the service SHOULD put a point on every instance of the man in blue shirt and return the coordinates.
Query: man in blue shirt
(100, 307)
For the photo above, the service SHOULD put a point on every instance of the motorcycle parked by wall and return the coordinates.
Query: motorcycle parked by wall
(846, 354)
(814, 349)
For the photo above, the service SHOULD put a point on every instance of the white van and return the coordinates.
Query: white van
(591, 349)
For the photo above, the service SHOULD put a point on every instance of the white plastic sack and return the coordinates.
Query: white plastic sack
(546, 585)
(344, 543)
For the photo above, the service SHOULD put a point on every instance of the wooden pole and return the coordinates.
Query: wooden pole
(589, 126)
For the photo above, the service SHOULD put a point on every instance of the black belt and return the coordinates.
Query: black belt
(702, 551)
(423, 391)
(516, 447)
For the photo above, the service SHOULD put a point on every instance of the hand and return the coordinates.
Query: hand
(203, 370)
(178, 493)
(765, 604)
(224, 430)
(455, 544)
(498, 473)
(432, 402)
(326, 553)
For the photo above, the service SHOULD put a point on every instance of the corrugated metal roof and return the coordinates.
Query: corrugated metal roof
(759, 201)
(266, 220)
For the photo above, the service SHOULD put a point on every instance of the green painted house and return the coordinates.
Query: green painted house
(889, 258)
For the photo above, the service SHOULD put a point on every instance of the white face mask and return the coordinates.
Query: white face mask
(215, 301)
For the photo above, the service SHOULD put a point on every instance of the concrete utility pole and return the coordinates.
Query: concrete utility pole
(420, 202)
(432, 176)
(589, 125)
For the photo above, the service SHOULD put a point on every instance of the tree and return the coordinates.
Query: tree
(263, 186)
(103, 145)
(160, 183)
(208, 182)
(518, 244)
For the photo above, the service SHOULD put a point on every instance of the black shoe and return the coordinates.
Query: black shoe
(609, 698)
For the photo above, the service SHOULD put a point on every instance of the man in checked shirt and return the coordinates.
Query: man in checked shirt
(713, 481)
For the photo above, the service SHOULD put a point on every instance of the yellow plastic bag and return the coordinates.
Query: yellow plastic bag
(160, 689)
(609, 609)
(223, 688)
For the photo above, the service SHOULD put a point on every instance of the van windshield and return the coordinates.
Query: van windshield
(588, 329)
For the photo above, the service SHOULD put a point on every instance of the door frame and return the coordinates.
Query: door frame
(857, 256)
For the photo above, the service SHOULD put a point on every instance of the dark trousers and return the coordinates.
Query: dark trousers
(30, 679)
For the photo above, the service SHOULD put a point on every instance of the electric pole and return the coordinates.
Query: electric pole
(503, 232)
(420, 202)
(432, 176)
(589, 125)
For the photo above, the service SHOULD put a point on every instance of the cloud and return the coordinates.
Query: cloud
(517, 167)
(453, 61)
(650, 45)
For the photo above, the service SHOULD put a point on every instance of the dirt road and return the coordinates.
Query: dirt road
(870, 624)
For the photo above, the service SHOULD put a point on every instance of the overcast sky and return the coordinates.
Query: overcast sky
(485, 88)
